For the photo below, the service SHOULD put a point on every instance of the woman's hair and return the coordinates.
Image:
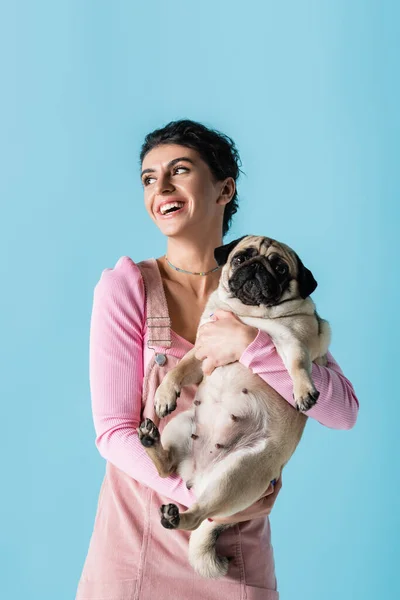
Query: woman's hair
(216, 149)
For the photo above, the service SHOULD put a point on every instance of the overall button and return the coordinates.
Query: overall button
(161, 359)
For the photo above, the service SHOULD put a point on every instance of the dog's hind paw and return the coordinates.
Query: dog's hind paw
(148, 433)
(170, 516)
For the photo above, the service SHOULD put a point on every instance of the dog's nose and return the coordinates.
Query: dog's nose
(256, 266)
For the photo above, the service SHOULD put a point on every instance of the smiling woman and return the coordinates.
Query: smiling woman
(180, 192)
(145, 319)
(195, 153)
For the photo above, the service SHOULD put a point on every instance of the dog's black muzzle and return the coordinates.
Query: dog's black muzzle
(253, 285)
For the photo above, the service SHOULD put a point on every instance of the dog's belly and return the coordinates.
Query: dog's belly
(236, 410)
(230, 414)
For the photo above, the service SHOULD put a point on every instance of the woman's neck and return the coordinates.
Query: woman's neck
(196, 256)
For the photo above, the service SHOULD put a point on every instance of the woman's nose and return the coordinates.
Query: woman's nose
(164, 184)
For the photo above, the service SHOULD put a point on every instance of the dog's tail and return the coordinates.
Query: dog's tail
(202, 552)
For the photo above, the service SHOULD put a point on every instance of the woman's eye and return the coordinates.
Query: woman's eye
(179, 170)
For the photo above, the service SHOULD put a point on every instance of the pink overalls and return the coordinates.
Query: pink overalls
(131, 556)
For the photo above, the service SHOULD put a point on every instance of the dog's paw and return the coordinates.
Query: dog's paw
(148, 433)
(305, 396)
(165, 398)
(170, 516)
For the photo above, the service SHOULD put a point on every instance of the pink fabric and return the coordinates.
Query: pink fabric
(117, 368)
(337, 405)
(116, 375)
(130, 555)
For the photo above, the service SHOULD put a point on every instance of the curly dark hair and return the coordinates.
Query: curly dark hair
(217, 150)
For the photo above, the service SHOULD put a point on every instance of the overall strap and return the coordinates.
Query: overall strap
(157, 316)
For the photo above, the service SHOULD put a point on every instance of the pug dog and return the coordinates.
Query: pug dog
(239, 433)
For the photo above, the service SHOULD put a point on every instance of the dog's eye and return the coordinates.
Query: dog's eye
(281, 268)
(238, 260)
(241, 257)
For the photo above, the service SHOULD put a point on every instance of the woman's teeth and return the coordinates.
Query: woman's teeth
(171, 205)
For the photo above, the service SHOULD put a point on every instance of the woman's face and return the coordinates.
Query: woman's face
(180, 192)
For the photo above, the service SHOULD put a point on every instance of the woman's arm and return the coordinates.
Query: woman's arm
(227, 339)
(337, 405)
(116, 377)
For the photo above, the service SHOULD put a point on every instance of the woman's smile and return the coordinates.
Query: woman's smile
(170, 207)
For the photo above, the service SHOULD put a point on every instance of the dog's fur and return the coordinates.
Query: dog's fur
(239, 433)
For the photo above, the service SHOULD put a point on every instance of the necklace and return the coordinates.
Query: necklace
(202, 273)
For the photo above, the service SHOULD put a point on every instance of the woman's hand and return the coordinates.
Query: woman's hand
(261, 508)
(222, 341)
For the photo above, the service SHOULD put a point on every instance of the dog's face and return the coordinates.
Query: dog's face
(259, 271)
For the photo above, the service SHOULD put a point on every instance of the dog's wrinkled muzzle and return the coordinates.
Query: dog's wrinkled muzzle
(253, 285)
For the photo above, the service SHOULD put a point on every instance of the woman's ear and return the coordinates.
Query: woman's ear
(228, 190)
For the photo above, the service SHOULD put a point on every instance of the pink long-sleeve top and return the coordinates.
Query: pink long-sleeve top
(118, 363)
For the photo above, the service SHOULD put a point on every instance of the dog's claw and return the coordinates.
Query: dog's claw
(305, 403)
(165, 399)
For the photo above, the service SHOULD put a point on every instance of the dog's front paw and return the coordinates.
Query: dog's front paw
(165, 397)
(305, 396)
(169, 516)
(148, 433)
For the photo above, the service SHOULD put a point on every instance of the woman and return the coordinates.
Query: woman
(144, 319)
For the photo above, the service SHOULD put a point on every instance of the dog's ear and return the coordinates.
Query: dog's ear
(222, 252)
(305, 278)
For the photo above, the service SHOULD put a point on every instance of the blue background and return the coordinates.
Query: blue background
(310, 92)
